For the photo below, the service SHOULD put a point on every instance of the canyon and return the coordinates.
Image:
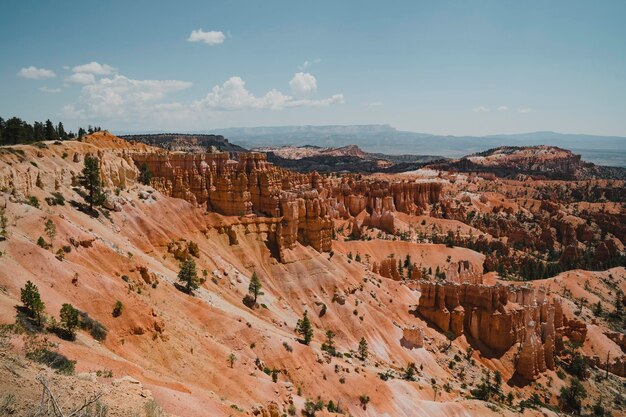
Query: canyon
(397, 260)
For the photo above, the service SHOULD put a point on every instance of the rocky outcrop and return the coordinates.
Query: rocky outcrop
(305, 204)
(412, 337)
(499, 317)
(531, 361)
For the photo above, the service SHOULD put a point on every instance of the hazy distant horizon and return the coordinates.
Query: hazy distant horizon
(420, 132)
(601, 150)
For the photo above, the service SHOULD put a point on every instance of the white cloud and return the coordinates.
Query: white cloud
(70, 112)
(308, 63)
(95, 68)
(34, 73)
(49, 90)
(122, 96)
(81, 78)
(211, 37)
(525, 110)
(303, 83)
(233, 95)
(503, 108)
(480, 109)
(128, 102)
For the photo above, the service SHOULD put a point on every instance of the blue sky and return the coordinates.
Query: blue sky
(445, 67)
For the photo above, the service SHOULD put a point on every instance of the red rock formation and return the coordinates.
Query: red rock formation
(389, 269)
(413, 337)
(498, 317)
(305, 203)
(531, 361)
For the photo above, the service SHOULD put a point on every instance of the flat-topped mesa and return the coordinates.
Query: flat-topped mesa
(499, 317)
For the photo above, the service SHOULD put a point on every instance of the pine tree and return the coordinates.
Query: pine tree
(363, 352)
(145, 175)
(188, 275)
(231, 359)
(50, 132)
(81, 132)
(409, 373)
(619, 308)
(329, 344)
(90, 179)
(50, 229)
(254, 289)
(69, 318)
(61, 132)
(304, 328)
(32, 300)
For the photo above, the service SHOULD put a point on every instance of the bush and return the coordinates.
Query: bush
(58, 198)
(95, 328)
(192, 248)
(33, 201)
(364, 400)
(41, 242)
(248, 301)
(117, 309)
(578, 366)
(40, 350)
(572, 396)
(311, 407)
(153, 409)
(481, 392)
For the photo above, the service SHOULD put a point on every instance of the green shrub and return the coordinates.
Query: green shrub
(117, 309)
(95, 328)
(53, 359)
(33, 201)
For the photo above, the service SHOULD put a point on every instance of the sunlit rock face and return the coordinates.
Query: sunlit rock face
(499, 317)
(247, 185)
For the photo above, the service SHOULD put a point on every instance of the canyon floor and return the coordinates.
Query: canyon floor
(475, 294)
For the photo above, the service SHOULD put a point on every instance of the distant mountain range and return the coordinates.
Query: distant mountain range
(601, 150)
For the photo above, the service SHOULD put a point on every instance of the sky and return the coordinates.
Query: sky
(443, 67)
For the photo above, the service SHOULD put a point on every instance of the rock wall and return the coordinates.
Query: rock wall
(21, 174)
(247, 185)
(499, 317)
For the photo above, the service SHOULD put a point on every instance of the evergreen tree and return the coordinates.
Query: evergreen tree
(32, 300)
(572, 396)
(81, 132)
(231, 359)
(363, 351)
(254, 289)
(304, 328)
(188, 275)
(145, 175)
(329, 344)
(69, 318)
(90, 179)
(39, 132)
(62, 134)
(409, 373)
(619, 308)
(14, 132)
(50, 229)
(50, 132)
